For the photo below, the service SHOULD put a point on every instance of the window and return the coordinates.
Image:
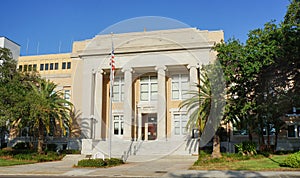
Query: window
(63, 65)
(41, 67)
(51, 66)
(180, 86)
(69, 65)
(34, 66)
(56, 66)
(148, 88)
(67, 96)
(29, 67)
(118, 124)
(180, 121)
(292, 130)
(46, 66)
(20, 67)
(118, 89)
(25, 68)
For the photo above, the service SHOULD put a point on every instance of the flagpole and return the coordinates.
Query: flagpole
(111, 95)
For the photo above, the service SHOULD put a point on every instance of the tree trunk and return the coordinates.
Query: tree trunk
(261, 134)
(216, 147)
(250, 137)
(40, 138)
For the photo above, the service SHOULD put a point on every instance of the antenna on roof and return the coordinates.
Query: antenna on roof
(27, 46)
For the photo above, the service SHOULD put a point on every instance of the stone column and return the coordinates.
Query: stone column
(127, 103)
(139, 126)
(193, 75)
(98, 104)
(161, 103)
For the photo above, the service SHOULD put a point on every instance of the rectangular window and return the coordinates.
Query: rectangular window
(46, 66)
(180, 86)
(63, 65)
(118, 89)
(56, 66)
(69, 65)
(148, 88)
(29, 67)
(41, 67)
(180, 121)
(34, 66)
(67, 96)
(25, 68)
(118, 124)
(20, 68)
(51, 66)
(291, 131)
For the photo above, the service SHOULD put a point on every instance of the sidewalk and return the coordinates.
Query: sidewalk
(143, 166)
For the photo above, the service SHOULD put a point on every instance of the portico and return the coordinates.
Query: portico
(154, 71)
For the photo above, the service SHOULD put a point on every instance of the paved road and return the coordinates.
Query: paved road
(154, 166)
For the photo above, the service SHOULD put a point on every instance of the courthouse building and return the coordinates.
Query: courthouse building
(154, 70)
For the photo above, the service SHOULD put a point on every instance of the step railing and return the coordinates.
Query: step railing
(137, 146)
(127, 152)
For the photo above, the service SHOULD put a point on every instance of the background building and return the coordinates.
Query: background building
(14, 47)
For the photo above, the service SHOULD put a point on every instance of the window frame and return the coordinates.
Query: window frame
(150, 82)
(42, 67)
(68, 65)
(63, 65)
(181, 119)
(120, 123)
(56, 66)
(181, 92)
(294, 131)
(118, 82)
(47, 66)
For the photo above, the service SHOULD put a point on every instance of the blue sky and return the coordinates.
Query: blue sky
(50, 26)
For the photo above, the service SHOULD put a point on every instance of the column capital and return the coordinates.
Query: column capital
(161, 67)
(127, 69)
(193, 66)
(100, 71)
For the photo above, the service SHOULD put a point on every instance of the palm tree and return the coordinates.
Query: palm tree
(47, 105)
(202, 102)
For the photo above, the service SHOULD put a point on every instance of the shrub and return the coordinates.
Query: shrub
(246, 148)
(51, 147)
(292, 161)
(21, 146)
(71, 151)
(99, 162)
(114, 162)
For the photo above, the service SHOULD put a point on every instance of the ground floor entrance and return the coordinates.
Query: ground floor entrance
(149, 126)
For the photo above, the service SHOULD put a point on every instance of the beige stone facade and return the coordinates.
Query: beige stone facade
(55, 67)
(154, 70)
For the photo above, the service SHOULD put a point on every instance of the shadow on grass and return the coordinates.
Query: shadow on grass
(274, 161)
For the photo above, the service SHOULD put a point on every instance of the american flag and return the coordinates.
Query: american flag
(112, 64)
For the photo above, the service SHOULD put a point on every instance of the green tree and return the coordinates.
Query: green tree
(204, 107)
(263, 73)
(47, 106)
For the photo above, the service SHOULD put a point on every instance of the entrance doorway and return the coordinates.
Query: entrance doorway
(149, 126)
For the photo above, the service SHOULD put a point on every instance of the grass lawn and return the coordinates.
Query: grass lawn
(12, 157)
(12, 162)
(257, 163)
